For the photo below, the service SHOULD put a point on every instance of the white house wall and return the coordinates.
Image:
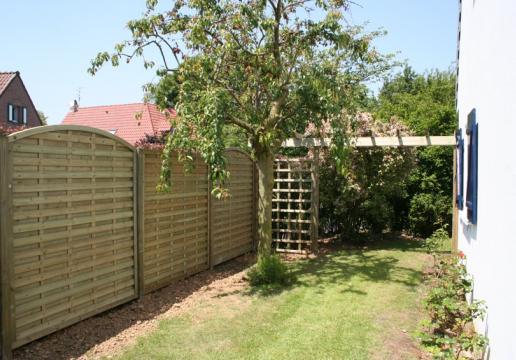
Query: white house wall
(487, 82)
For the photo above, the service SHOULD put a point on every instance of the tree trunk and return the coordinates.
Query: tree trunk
(265, 162)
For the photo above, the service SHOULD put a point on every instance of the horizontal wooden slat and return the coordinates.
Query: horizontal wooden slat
(53, 150)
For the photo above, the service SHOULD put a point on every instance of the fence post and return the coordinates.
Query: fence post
(455, 218)
(314, 211)
(7, 325)
(140, 198)
(210, 230)
(255, 207)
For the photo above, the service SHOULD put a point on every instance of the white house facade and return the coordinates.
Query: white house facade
(486, 104)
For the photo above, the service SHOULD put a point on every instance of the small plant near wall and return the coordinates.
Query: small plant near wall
(438, 243)
(448, 333)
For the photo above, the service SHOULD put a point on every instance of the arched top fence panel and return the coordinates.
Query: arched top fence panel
(233, 151)
(70, 233)
(60, 132)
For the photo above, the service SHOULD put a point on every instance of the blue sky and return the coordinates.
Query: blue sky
(52, 42)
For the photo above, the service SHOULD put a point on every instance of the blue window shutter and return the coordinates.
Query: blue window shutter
(459, 200)
(472, 191)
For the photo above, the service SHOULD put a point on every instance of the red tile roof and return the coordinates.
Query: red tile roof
(131, 122)
(5, 80)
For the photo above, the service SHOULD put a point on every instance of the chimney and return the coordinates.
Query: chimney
(74, 106)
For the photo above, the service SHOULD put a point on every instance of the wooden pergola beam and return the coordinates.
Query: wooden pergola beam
(373, 141)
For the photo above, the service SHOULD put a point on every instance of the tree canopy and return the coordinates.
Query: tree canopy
(426, 103)
(265, 67)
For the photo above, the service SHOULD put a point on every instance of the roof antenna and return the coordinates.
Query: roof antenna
(79, 95)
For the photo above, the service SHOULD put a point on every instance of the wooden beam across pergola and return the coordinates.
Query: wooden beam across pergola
(374, 141)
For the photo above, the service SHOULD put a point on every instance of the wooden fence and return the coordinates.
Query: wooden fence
(187, 230)
(68, 230)
(83, 230)
(233, 220)
(175, 225)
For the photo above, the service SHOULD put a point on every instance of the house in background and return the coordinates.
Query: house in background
(486, 104)
(16, 106)
(131, 122)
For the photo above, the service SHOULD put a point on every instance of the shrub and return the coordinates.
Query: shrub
(439, 241)
(360, 197)
(269, 271)
(429, 212)
(449, 334)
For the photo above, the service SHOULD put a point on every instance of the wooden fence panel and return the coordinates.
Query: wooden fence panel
(175, 224)
(73, 227)
(83, 229)
(233, 218)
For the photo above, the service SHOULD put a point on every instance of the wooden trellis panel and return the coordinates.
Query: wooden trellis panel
(293, 206)
(232, 220)
(70, 236)
(175, 224)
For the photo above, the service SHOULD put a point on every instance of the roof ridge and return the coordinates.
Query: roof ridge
(146, 106)
(12, 75)
(113, 105)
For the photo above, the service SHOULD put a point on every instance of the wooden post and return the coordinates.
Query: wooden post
(255, 207)
(7, 325)
(140, 211)
(455, 219)
(314, 213)
(210, 230)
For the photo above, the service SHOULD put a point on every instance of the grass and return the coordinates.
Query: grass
(349, 304)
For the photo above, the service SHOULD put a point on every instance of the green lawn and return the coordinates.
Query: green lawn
(349, 304)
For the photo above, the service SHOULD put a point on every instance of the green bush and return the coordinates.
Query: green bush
(359, 196)
(429, 212)
(439, 241)
(269, 271)
(448, 333)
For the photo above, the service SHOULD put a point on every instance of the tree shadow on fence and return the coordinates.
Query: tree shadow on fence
(81, 338)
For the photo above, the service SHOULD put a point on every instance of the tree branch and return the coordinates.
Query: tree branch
(242, 124)
(278, 9)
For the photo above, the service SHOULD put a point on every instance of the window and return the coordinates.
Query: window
(11, 113)
(459, 200)
(24, 115)
(472, 191)
(17, 114)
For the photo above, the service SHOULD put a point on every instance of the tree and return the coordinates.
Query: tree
(42, 117)
(265, 67)
(426, 104)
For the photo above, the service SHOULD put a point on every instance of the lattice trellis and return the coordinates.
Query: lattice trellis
(295, 205)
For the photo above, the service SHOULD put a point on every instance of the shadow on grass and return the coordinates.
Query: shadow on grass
(343, 263)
